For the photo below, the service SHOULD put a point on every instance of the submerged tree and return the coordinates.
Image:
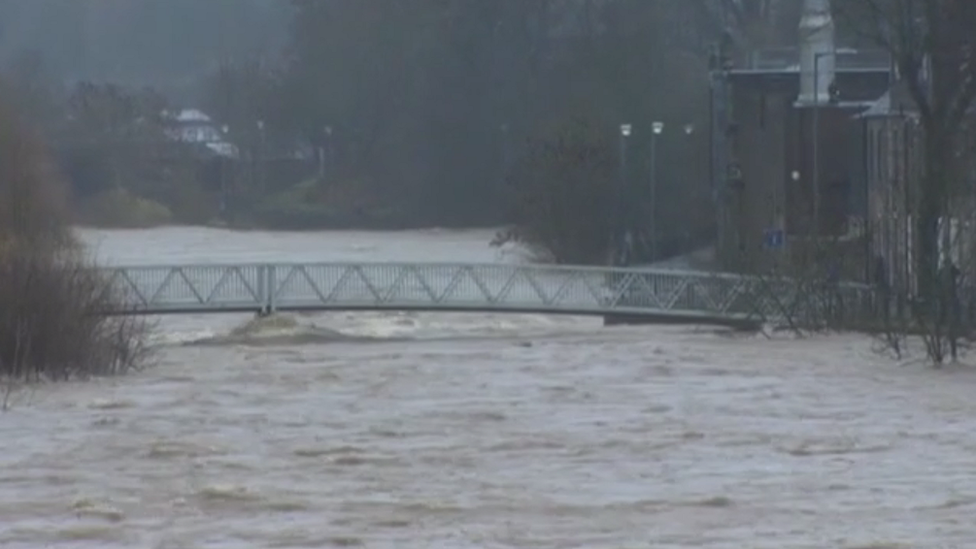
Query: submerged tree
(52, 325)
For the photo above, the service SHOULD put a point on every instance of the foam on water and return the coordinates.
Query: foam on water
(339, 327)
(280, 330)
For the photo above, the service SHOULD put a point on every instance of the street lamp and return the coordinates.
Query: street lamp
(816, 128)
(657, 129)
(259, 161)
(623, 221)
(225, 130)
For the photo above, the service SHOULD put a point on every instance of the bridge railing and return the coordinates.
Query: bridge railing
(440, 286)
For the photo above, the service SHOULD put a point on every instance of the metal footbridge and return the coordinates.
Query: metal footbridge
(650, 294)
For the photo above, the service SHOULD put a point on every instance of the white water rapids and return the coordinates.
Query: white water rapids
(482, 431)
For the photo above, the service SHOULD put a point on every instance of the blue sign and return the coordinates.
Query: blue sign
(774, 238)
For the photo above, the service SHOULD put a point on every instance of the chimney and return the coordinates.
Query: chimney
(817, 52)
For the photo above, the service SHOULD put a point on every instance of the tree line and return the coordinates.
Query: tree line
(438, 109)
(434, 113)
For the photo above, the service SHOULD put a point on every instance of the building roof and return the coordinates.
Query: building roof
(774, 60)
(881, 107)
(896, 101)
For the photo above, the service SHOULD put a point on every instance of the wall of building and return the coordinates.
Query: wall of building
(772, 139)
(894, 168)
(759, 147)
(841, 177)
(891, 163)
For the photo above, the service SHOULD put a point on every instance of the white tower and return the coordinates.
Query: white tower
(817, 52)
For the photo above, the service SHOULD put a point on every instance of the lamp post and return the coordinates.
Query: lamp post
(259, 161)
(657, 128)
(621, 257)
(225, 130)
(695, 173)
(816, 129)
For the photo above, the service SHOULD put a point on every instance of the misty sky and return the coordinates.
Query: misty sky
(160, 42)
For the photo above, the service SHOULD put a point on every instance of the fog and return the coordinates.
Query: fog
(382, 113)
(140, 42)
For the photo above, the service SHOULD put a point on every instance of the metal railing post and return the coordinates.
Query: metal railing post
(271, 280)
(262, 290)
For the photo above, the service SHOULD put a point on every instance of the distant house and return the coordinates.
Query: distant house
(195, 127)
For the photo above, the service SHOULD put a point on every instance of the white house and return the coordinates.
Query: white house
(196, 127)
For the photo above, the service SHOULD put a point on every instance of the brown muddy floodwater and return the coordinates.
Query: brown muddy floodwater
(482, 431)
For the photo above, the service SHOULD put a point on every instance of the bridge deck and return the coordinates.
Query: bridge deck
(648, 293)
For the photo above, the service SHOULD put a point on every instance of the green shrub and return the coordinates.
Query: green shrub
(310, 206)
(119, 208)
(562, 192)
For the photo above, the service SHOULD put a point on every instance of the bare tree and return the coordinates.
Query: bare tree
(749, 23)
(932, 48)
(52, 300)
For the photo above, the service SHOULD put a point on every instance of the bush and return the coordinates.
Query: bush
(311, 206)
(186, 203)
(52, 325)
(311, 217)
(562, 193)
(118, 208)
(51, 322)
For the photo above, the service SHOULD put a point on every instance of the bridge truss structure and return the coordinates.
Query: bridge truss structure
(543, 289)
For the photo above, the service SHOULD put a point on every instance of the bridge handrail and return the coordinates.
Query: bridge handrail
(267, 286)
(593, 269)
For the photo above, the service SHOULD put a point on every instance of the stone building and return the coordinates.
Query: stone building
(789, 156)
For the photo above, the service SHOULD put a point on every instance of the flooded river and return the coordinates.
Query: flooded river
(482, 431)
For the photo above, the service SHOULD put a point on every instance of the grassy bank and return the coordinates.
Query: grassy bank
(304, 207)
